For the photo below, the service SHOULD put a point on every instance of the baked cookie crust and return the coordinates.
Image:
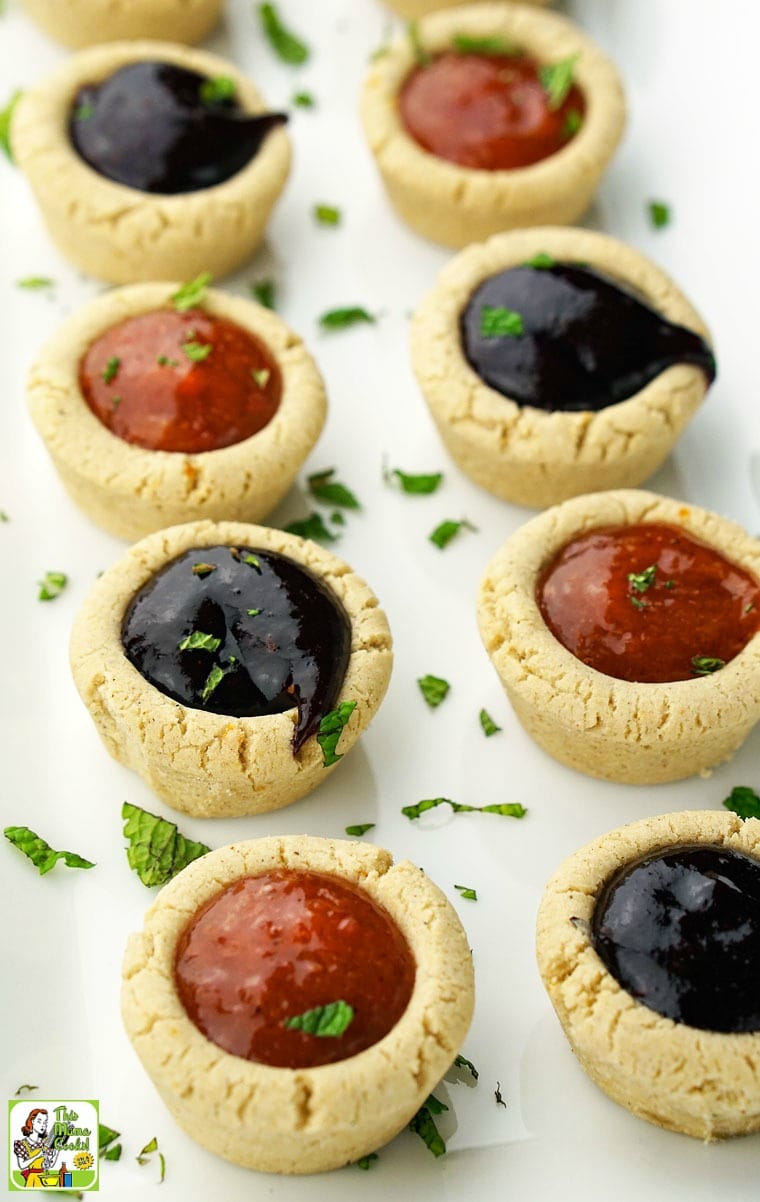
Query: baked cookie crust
(131, 491)
(702, 1083)
(78, 23)
(214, 765)
(613, 729)
(120, 234)
(456, 205)
(524, 454)
(419, 8)
(300, 1120)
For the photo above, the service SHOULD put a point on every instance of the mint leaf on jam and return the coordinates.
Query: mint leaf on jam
(443, 533)
(263, 291)
(111, 369)
(203, 569)
(51, 586)
(511, 809)
(191, 294)
(463, 1062)
(107, 1146)
(332, 492)
(433, 689)
(557, 80)
(498, 322)
(360, 829)
(328, 1022)
(42, 855)
(542, 261)
(327, 214)
(659, 214)
(705, 665)
(35, 283)
(198, 641)
(641, 581)
(252, 613)
(157, 851)
(312, 527)
(197, 351)
(304, 100)
(468, 894)
(422, 56)
(366, 1162)
(416, 485)
(217, 90)
(212, 682)
(253, 561)
(637, 603)
(463, 43)
(573, 123)
(743, 801)
(488, 724)
(330, 730)
(285, 44)
(144, 1157)
(343, 319)
(6, 115)
(165, 361)
(423, 1124)
(261, 377)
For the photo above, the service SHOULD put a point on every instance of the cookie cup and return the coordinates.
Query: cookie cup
(131, 491)
(702, 1083)
(121, 234)
(613, 729)
(528, 455)
(457, 205)
(215, 765)
(420, 8)
(283, 1120)
(78, 23)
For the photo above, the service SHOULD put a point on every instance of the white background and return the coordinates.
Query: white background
(688, 67)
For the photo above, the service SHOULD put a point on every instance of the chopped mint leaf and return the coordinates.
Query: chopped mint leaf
(217, 90)
(488, 724)
(637, 603)
(198, 641)
(462, 1061)
(6, 116)
(264, 292)
(203, 569)
(497, 1095)
(327, 214)
(443, 533)
(573, 123)
(213, 680)
(366, 1162)
(252, 613)
(164, 361)
(433, 689)
(328, 1021)
(511, 809)
(311, 527)
(22, 1089)
(253, 561)
(498, 322)
(285, 44)
(641, 581)
(197, 351)
(542, 261)
(330, 730)
(467, 892)
(52, 585)
(423, 1124)
(416, 485)
(332, 492)
(83, 112)
(191, 294)
(659, 214)
(304, 100)
(261, 377)
(492, 44)
(41, 853)
(743, 801)
(705, 665)
(360, 829)
(342, 319)
(107, 1145)
(111, 369)
(35, 283)
(145, 1155)
(557, 80)
(157, 851)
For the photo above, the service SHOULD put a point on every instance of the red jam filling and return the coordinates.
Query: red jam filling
(648, 603)
(269, 948)
(170, 381)
(487, 111)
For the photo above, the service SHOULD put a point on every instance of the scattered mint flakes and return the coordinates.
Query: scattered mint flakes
(330, 730)
(323, 488)
(51, 586)
(492, 44)
(144, 1157)
(659, 214)
(165, 361)
(312, 527)
(641, 581)
(35, 283)
(264, 292)
(327, 214)
(191, 294)
(107, 1146)
(42, 855)
(366, 1162)
(285, 44)
(198, 641)
(573, 123)
(83, 112)
(360, 829)
(462, 1061)
(743, 801)
(511, 809)
(343, 319)
(261, 377)
(488, 724)
(328, 1021)
(443, 533)
(705, 665)
(498, 1096)
(498, 322)
(217, 90)
(197, 351)
(304, 100)
(557, 80)
(157, 851)
(6, 116)
(433, 689)
(212, 682)
(415, 41)
(542, 261)
(469, 894)
(253, 613)
(111, 369)
(415, 485)
(423, 1124)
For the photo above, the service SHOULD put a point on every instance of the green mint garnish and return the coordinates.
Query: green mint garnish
(330, 491)
(312, 527)
(23, 1089)
(659, 214)
(41, 853)
(557, 80)
(304, 100)
(443, 534)
(423, 1124)
(261, 377)
(542, 261)
(213, 680)
(52, 585)
(418, 50)
(433, 689)
(252, 613)
(217, 90)
(84, 112)
(498, 322)
(330, 730)
(285, 44)
(360, 829)
(705, 665)
(343, 319)
(146, 1153)
(190, 295)
(203, 569)
(366, 1162)
(573, 122)
(198, 641)
(164, 361)
(111, 369)
(197, 351)
(107, 1146)
(467, 892)
(463, 1062)
(637, 603)
(263, 291)
(156, 851)
(498, 1096)
(6, 115)
(35, 283)
(327, 214)
(488, 724)
(328, 1022)
(416, 485)
(511, 809)
(493, 45)
(744, 802)
(641, 581)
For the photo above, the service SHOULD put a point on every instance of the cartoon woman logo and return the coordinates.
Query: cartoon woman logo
(34, 1151)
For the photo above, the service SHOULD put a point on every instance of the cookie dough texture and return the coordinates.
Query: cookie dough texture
(457, 205)
(131, 491)
(524, 454)
(118, 233)
(300, 1120)
(204, 764)
(78, 23)
(613, 729)
(702, 1083)
(419, 8)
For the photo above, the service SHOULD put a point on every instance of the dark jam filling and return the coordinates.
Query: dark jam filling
(585, 343)
(648, 603)
(487, 111)
(680, 931)
(148, 126)
(292, 652)
(169, 381)
(270, 948)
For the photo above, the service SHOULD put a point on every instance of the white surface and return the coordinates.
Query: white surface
(692, 125)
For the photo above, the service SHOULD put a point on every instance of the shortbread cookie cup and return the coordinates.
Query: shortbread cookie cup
(456, 205)
(78, 23)
(215, 765)
(282, 1120)
(528, 455)
(612, 729)
(121, 234)
(702, 1083)
(131, 491)
(420, 8)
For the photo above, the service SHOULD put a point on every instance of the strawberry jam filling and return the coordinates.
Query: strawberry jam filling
(270, 949)
(648, 603)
